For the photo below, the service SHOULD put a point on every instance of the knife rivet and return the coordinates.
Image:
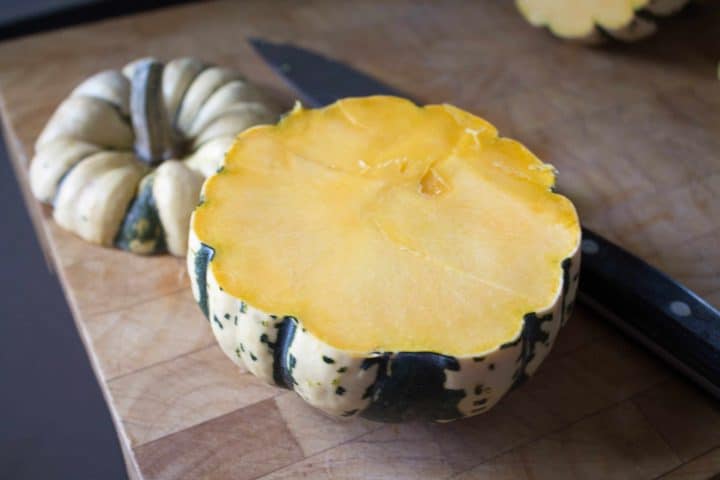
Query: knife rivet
(681, 309)
(589, 247)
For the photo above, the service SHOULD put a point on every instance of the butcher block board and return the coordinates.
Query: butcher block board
(635, 133)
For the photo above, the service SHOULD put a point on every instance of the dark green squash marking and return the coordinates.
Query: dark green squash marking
(243, 307)
(410, 385)
(155, 139)
(218, 322)
(531, 334)
(368, 392)
(340, 390)
(141, 231)
(513, 343)
(266, 340)
(227, 316)
(478, 389)
(566, 286)
(478, 359)
(491, 366)
(283, 361)
(202, 259)
(327, 359)
(253, 357)
(342, 370)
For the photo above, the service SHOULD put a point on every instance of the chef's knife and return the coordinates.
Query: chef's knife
(659, 312)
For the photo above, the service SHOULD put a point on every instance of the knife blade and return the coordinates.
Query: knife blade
(649, 306)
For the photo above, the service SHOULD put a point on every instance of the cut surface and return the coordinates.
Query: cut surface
(384, 226)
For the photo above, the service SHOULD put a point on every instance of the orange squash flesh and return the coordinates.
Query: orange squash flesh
(385, 226)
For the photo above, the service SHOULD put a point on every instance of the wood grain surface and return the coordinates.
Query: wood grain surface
(635, 133)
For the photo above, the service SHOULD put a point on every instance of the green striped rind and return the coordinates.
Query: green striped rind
(141, 231)
(381, 386)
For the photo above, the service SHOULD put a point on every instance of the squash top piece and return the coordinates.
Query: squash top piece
(385, 226)
(591, 21)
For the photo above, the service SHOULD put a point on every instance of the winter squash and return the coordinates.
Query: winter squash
(123, 158)
(592, 21)
(385, 260)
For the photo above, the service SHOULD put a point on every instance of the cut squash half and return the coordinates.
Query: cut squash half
(362, 252)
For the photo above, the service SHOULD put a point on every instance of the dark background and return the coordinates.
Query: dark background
(53, 420)
(54, 423)
(14, 11)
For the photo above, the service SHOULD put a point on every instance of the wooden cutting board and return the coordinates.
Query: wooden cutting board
(635, 133)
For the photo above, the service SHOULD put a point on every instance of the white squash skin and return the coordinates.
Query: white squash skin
(108, 85)
(93, 199)
(208, 157)
(90, 120)
(235, 121)
(129, 69)
(71, 188)
(496, 382)
(177, 77)
(52, 162)
(176, 189)
(217, 104)
(204, 85)
(484, 377)
(317, 381)
(94, 119)
(103, 203)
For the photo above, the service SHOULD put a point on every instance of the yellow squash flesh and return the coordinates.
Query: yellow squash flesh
(384, 226)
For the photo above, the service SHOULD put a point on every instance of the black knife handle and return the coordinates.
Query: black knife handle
(660, 313)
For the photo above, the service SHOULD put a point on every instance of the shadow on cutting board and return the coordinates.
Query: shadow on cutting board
(54, 423)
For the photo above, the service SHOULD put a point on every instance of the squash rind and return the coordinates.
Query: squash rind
(141, 231)
(176, 190)
(90, 120)
(380, 386)
(53, 163)
(136, 111)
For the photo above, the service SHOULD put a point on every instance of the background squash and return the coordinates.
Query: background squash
(123, 158)
(385, 260)
(592, 21)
